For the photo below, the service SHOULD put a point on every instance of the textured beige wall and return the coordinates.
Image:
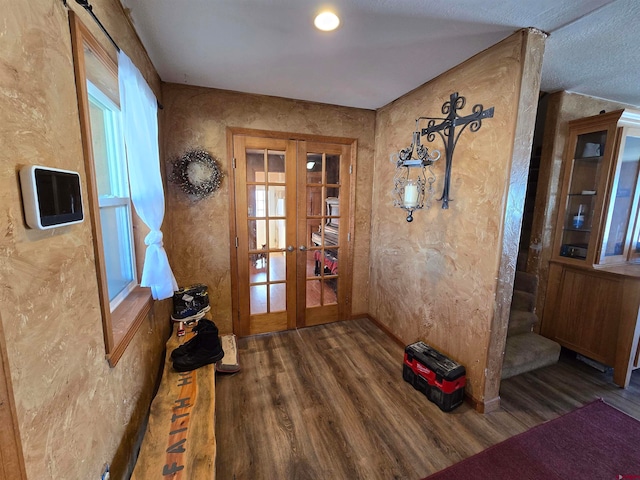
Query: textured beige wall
(199, 117)
(562, 108)
(436, 278)
(74, 412)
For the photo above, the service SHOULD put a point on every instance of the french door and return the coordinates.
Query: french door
(292, 226)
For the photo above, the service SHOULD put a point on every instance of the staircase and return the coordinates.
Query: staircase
(525, 350)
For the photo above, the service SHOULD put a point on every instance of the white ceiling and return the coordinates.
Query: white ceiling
(383, 48)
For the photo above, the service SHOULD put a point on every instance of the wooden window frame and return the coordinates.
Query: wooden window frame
(119, 326)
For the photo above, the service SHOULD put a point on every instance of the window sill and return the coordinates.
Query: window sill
(126, 320)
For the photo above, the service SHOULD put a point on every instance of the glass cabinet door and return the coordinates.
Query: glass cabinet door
(585, 182)
(619, 242)
(598, 220)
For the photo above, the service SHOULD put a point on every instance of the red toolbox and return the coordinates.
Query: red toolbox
(441, 379)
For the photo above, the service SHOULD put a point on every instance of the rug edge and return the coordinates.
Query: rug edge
(591, 403)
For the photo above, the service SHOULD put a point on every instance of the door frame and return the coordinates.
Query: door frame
(233, 228)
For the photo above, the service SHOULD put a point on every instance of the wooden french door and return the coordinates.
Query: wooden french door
(292, 224)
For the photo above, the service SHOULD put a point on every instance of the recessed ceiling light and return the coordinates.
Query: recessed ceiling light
(326, 21)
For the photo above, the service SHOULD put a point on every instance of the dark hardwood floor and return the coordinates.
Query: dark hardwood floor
(329, 402)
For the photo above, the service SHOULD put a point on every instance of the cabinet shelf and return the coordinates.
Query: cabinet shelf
(588, 159)
(581, 230)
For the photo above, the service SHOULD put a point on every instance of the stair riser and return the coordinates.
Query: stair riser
(523, 301)
(526, 282)
(519, 329)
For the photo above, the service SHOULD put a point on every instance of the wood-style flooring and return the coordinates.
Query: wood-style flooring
(329, 402)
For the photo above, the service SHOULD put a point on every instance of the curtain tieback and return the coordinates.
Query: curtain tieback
(154, 238)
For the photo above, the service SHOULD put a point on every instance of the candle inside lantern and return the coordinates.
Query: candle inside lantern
(410, 195)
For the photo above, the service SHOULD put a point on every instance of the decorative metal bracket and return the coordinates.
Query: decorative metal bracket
(447, 131)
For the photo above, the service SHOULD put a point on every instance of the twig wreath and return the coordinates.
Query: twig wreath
(197, 173)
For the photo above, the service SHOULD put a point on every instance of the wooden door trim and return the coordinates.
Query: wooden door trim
(347, 312)
(243, 320)
(292, 233)
(251, 132)
(11, 455)
(233, 232)
(301, 261)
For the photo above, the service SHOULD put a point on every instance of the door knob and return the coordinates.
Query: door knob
(303, 248)
(290, 248)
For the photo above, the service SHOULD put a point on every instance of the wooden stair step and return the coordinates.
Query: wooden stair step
(526, 352)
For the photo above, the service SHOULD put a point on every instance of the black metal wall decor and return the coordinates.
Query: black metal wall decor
(447, 131)
(413, 189)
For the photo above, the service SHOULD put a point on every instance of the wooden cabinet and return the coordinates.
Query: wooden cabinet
(598, 209)
(593, 295)
(595, 313)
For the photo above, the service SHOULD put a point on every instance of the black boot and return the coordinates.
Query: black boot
(203, 349)
(192, 344)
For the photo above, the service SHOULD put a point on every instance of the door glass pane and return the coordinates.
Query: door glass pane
(314, 168)
(258, 299)
(333, 211)
(255, 165)
(329, 261)
(314, 233)
(325, 234)
(321, 292)
(313, 264)
(256, 201)
(277, 234)
(277, 266)
(623, 199)
(329, 291)
(257, 267)
(314, 201)
(275, 161)
(313, 293)
(331, 234)
(276, 201)
(333, 169)
(333, 192)
(278, 297)
(257, 234)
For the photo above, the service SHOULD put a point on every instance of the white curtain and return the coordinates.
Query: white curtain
(140, 122)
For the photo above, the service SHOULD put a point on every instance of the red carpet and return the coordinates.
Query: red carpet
(595, 442)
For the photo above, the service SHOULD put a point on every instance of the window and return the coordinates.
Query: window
(124, 305)
(113, 195)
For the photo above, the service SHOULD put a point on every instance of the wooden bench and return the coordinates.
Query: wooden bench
(180, 443)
